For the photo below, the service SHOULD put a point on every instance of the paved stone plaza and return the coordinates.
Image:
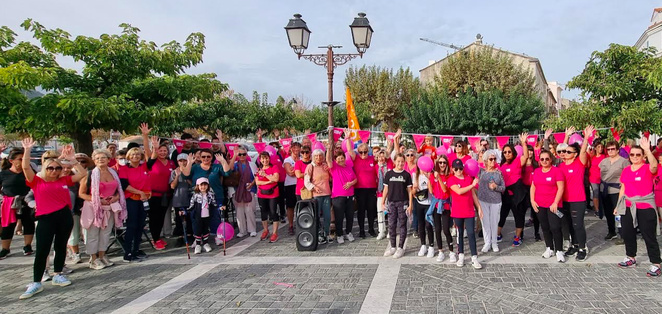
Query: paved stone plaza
(259, 277)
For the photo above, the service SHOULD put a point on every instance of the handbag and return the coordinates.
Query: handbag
(421, 195)
(233, 179)
(268, 191)
(306, 194)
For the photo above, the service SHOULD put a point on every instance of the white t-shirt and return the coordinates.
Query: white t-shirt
(290, 180)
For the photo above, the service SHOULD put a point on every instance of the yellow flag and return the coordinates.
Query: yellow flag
(352, 121)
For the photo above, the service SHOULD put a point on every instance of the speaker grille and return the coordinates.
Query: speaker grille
(305, 220)
(305, 239)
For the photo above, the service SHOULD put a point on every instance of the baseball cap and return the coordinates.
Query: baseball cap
(182, 156)
(201, 181)
(457, 164)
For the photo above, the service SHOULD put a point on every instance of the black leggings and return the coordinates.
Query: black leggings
(423, 225)
(27, 219)
(268, 209)
(281, 200)
(343, 208)
(508, 205)
(53, 229)
(156, 214)
(443, 222)
(526, 204)
(366, 201)
(575, 219)
(551, 228)
(609, 202)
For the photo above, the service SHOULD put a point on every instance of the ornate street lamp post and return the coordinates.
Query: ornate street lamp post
(298, 35)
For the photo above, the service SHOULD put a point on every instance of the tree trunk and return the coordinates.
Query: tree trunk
(83, 142)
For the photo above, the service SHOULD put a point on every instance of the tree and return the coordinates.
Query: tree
(621, 87)
(470, 113)
(383, 91)
(124, 81)
(483, 69)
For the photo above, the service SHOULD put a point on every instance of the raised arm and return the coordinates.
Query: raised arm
(652, 161)
(219, 135)
(27, 169)
(525, 148)
(224, 163)
(144, 130)
(69, 154)
(583, 155)
(348, 145)
(189, 164)
(568, 132)
(329, 149)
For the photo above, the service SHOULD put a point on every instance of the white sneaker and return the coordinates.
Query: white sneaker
(495, 247)
(423, 250)
(74, 258)
(207, 247)
(253, 234)
(460, 260)
(452, 257)
(198, 249)
(430, 252)
(389, 251)
(381, 236)
(560, 257)
(398, 253)
(240, 235)
(453, 231)
(440, 257)
(340, 239)
(349, 237)
(486, 248)
(475, 263)
(66, 270)
(388, 235)
(566, 245)
(548, 253)
(329, 239)
(97, 265)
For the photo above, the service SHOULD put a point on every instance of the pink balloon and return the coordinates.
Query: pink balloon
(519, 150)
(271, 150)
(575, 138)
(344, 144)
(425, 163)
(225, 231)
(319, 145)
(441, 151)
(471, 167)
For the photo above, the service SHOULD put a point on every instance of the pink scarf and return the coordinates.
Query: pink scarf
(102, 214)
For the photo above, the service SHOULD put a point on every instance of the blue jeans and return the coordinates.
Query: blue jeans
(324, 206)
(135, 223)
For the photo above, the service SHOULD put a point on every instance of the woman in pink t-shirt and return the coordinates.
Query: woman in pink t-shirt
(441, 215)
(464, 198)
(160, 169)
(532, 163)
(342, 192)
(53, 211)
(366, 188)
(513, 197)
(637, 181)
(594, 174)
(267, 195)
(546, 193)
(574, 198)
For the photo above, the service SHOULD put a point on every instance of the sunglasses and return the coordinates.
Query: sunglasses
(570, 152)
(305, 153)
(442, 163)
(611, 149)
(491, 159)
(545, 159)
(507, 152)
(58, 168)
(458, 146)
(456, 169)
(409, 155)
(205, 156)
(563, 151)
(635, 155)
(365, 152)
(242, 154)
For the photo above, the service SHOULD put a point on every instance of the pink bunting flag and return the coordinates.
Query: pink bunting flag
(286, 143)
(559, 137)
(389, 136)
(531, 140)
(231, 148)
(179, 144)
(474, 141)
(259, 147)
(502, 140)
(447, 141)
(312, 137)
(337, 133)
(204, 145)
(364, 135)
(418, 139)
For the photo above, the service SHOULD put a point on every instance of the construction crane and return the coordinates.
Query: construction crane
(442, 44)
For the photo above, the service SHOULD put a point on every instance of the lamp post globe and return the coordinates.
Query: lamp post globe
(361, 33)
(298, 34)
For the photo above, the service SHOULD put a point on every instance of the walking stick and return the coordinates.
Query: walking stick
(224, 240)
(188, 252)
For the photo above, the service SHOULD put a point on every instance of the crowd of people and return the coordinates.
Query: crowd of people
(456, 193)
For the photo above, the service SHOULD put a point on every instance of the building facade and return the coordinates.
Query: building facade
(652, 36)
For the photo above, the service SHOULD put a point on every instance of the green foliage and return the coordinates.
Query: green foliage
(483, 69)
(621, 87)
(124, 81)
(491, 112)
(383, 91)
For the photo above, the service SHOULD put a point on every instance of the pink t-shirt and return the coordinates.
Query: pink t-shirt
(437, 191)
(271, 170)
(462, 205)
(366, 173)
(546, 186)
(511, 172)
(527, 174)
(657, 188)
(340, 176)
(138, 178)
(453, 156)
(50, 196)
(411, 170)
(637, 183)
(301, 166)
(594, 171)
(573, 175)
(160, 177)
(278, 164)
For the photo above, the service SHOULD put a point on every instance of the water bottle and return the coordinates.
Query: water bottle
(618, 221)
(146, 205)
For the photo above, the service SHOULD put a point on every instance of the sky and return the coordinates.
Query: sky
(247, 46)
